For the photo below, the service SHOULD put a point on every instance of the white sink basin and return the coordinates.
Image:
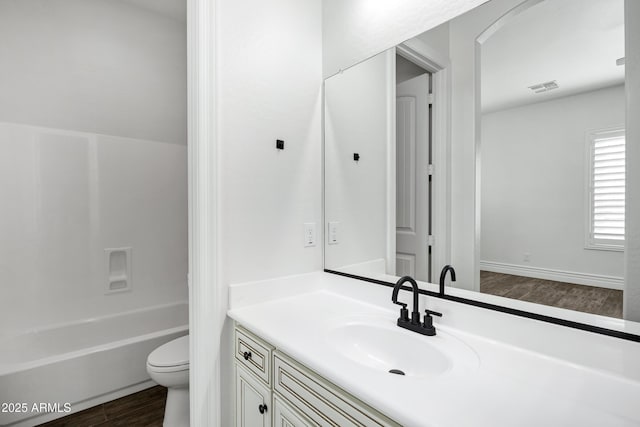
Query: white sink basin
(379, 344)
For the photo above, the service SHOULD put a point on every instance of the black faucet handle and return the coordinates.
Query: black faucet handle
(434, 313)
(427, 325)
(400, 303)
(404, 313)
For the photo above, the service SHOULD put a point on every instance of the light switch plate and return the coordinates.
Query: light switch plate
(333, 232)
(309, 234)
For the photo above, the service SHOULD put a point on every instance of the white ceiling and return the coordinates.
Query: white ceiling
(575, 42)
(174, 9)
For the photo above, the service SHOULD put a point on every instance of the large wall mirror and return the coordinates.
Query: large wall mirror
(494, 142)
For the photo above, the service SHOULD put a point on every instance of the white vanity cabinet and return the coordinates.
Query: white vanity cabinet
(253, 380)
(272, 389)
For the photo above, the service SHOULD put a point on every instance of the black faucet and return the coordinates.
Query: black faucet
(443, 276)
(413, 324)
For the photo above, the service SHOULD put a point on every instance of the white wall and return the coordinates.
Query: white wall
(97, 66)
(437, 39)
(534, 182)
(354, 30)
(69, 195)
(269, 87)
(464, 225)
(632, 217)
(357, 121)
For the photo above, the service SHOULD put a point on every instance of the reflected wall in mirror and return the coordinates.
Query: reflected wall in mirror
(552, 153)
(494, 142)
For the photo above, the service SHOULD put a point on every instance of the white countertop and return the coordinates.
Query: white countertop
(528, 373)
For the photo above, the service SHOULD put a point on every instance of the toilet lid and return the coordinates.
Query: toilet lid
(173, 353)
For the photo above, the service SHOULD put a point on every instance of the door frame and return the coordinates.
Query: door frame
(206, 307)
(422, 55)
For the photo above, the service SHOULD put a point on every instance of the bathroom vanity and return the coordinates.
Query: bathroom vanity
(273, 389)
(318, 349)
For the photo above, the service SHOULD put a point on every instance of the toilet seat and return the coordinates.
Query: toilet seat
(170, 357)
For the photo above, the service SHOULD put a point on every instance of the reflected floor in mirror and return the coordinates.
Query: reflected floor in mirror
(589, 299)
(144, 408)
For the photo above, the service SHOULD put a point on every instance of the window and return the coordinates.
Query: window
(606, 186)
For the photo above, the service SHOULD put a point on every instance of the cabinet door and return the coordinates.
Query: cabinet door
(253, 401)
(284, 415)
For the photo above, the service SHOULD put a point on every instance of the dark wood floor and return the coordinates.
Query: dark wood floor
(142, 409)
(589, 299)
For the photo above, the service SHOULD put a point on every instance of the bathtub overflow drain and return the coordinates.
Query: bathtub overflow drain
(396, 371)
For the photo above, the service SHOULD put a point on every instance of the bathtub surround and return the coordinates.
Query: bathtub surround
(74, 195)
(84, 363)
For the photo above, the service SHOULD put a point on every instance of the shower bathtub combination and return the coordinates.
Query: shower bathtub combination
(54, 371)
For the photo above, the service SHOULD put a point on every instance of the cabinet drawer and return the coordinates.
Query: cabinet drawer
(254, 354)
(318, 399)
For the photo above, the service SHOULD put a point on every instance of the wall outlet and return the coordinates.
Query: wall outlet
(309, 234)
(526, 257)
(333, 233)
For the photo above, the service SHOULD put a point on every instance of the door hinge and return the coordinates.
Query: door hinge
(430, 169)
(430, 98)
(431, 240)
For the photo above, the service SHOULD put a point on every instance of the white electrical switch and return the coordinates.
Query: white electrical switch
(309, 234)
(333, 232)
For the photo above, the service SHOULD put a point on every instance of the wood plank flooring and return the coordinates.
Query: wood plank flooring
(142, 409)
(589, 299)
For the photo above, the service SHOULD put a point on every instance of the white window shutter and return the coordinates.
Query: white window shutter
(607, 188)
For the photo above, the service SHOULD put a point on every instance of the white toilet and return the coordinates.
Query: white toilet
(168, 365)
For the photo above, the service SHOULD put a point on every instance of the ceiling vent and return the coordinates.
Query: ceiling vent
(544, 87)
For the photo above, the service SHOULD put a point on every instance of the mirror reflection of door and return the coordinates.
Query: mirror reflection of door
(412, 170)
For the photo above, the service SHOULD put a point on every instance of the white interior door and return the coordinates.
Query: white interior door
(412, 178)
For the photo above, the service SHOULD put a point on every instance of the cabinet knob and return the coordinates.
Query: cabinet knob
(247, 355)
(262, 408)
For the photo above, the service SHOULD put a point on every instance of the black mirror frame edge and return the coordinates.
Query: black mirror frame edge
(502, 309)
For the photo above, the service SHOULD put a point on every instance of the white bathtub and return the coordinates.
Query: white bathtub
(82, 363)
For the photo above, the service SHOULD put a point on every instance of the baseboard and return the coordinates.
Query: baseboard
(601, 281)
